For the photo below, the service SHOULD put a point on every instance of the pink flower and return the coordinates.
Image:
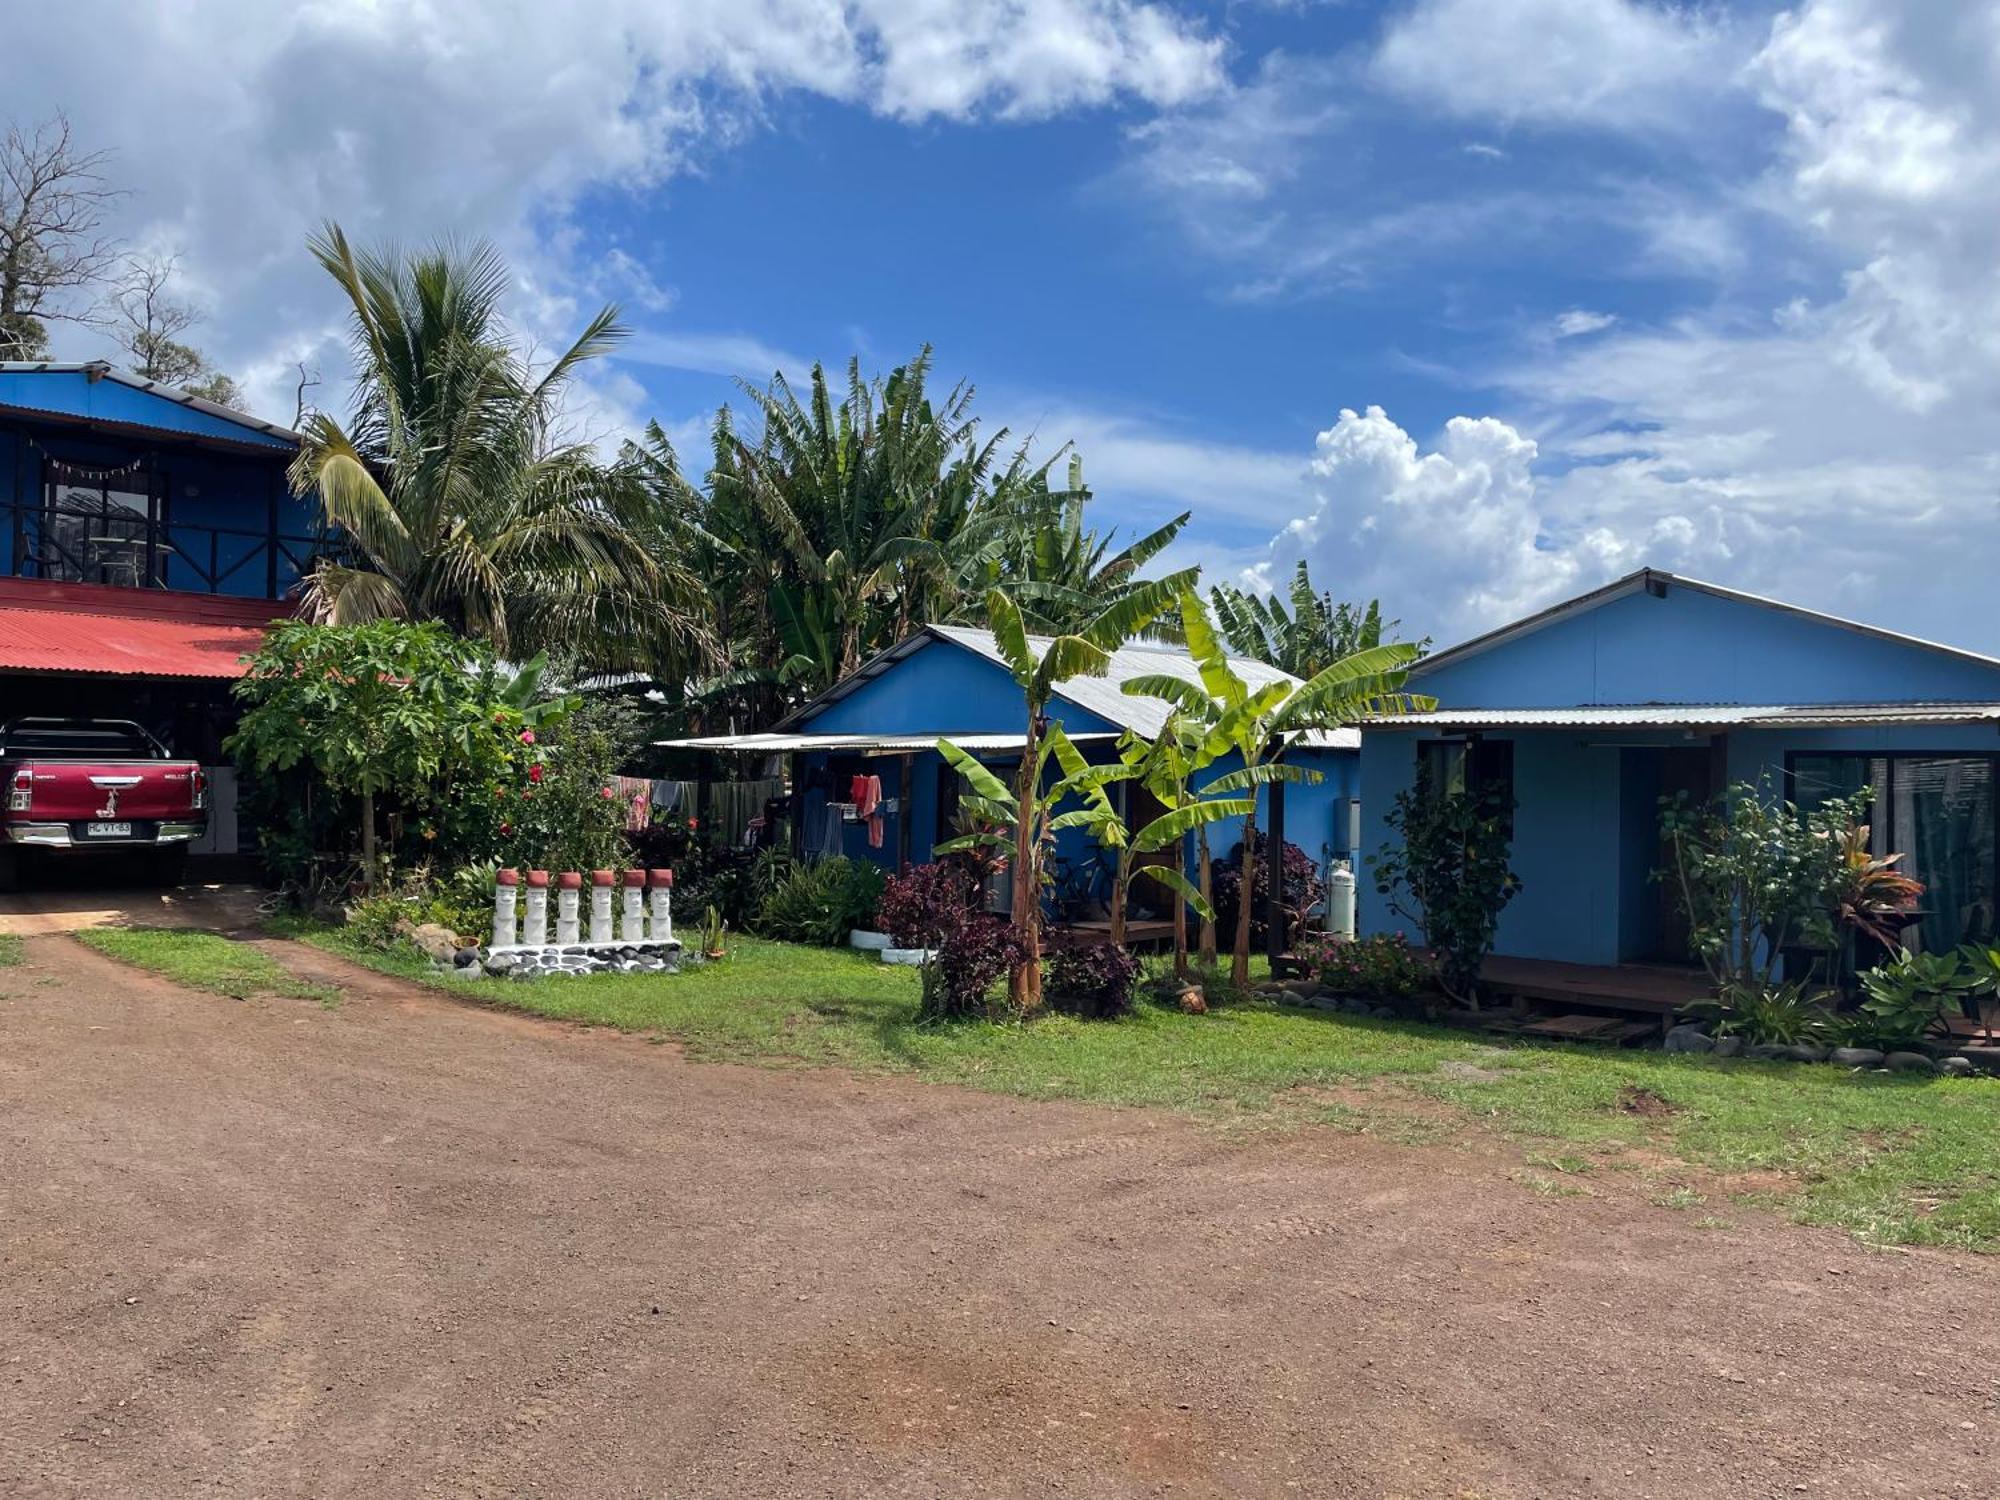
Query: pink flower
(605, 791)
(691, 822)
(527, 736)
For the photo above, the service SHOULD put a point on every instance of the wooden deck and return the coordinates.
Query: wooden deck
(1634, 988)
(1138, 934)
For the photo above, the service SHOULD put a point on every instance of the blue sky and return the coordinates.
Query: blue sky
(1473, 303)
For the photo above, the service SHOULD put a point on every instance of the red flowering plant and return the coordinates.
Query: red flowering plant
(1383, 968)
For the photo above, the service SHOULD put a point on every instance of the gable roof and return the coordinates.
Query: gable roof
(1658, 582)
(251, 431)
(1103, 696)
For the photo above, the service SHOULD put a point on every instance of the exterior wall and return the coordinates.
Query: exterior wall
(1692, 647)
(218, 510)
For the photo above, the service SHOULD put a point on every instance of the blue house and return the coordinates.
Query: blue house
(948, 682)
(146, 537)
(1589, 712)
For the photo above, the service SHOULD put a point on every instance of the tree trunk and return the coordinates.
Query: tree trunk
(368, 840)
(1024, 985)
(1205, 881)
(1239, 967)
(1118, 884)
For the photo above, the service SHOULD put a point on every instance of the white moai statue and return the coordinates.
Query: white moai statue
(661, 892)
(506, 896)
(569, 893)
(535, 922)
(600, 906)
(633, 928)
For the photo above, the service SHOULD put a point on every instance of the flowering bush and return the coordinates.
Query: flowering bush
(556, 806)
(1094, 981)
(1385, 967)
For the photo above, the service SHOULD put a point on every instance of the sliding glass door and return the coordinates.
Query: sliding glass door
(1938, 812)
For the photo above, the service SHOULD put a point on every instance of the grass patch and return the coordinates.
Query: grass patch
(1892, 1158)
(204, 961)
(10, 949)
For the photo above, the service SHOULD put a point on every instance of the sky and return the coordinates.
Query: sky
(1473, 304)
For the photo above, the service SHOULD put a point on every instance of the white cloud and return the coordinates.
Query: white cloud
(1614, 63)
(1579, 321)
(244, 124)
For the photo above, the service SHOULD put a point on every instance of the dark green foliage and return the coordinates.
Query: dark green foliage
(1782, 1014)
(1905, 997)
(570, 817)
(1094, 980)
(1449, 875)
(1317, 632)
(822, 902)
(1383, 967)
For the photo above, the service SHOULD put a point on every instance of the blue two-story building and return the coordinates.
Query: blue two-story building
(1590, 712)
(146, 538)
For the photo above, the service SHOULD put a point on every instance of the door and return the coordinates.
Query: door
(1652, 928)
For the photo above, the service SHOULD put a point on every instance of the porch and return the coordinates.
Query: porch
(1657, 991)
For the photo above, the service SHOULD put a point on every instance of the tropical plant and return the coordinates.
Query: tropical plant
(1160, 765)
(822, 902)
(970, 959)
(919, 907)
(713, 931)
(1380, 967)
(1871, 894)
(385, 710)
(1794, 1014)
(1038, 672)
(1093, 980)
(1447, 872)
(1317, 632)
(569, 817)
(454, 495)
(1300, 888)
(1256, 725)
(1756, 874)
(1905, 997)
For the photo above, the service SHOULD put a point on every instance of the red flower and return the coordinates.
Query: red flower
(534, 773)
(505, 829)
(605, 791)
(691, 825)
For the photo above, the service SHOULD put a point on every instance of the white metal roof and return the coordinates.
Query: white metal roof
(1699, 715)
(773, 743)
(1659, 582)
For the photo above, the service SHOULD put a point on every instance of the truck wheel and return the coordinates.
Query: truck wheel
(168, 867)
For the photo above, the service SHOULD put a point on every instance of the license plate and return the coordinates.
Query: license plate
(108, 831)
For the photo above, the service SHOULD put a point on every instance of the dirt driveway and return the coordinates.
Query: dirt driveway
(408, 1247)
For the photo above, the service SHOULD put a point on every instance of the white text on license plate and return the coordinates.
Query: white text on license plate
(109, 830)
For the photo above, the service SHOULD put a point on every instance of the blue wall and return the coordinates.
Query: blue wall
(208, 494)
(944, 688)
(1585, 804)
(1692, 647)
(72, 393)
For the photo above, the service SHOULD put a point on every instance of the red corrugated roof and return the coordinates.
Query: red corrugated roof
(105, 631)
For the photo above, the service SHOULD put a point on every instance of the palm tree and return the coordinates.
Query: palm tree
(1317, 631)
(1256, 725)
(453, 493)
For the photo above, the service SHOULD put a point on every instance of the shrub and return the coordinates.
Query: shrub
(1095, 980)
(1302, 891)
(917, 910)
(821, 903)
(1781, 1014)
(382, 919)
(568, 817)
(1908, 995)
(1383, 967)
(971, 959)
(1449, 875)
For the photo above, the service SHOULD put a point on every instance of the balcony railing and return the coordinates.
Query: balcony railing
(133, 551)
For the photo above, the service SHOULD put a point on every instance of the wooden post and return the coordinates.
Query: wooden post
(1274, 864)
(905, 783)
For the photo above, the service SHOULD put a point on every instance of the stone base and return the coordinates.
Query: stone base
(524, 961)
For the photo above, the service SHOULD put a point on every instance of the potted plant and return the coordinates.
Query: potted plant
(712, 929)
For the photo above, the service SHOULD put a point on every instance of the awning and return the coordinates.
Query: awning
(102, 631)
(861, 744)
(1698, 716)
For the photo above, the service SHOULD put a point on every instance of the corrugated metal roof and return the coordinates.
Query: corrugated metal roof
(773, 743)
(1700, 715)
(1105, 696)
(144, 641)
(99, 370)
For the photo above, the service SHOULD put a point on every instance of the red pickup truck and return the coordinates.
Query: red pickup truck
(74, 784)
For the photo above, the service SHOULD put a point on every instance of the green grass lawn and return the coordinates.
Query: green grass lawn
(1892, 1158)
(10, 950)
(204, 961)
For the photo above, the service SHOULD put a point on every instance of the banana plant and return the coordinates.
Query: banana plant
(1258, 724)
(1163, 765)
(1039, 668)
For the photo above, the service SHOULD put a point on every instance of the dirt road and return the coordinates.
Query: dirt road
(407, 1247)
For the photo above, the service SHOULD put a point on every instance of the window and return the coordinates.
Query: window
(99, 525)
(1448, 767)
(1938, 812)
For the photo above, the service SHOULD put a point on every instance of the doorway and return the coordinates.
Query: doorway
(1651, 926)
